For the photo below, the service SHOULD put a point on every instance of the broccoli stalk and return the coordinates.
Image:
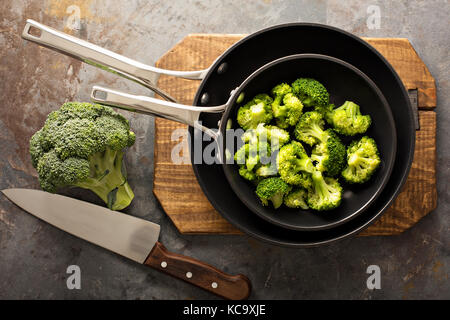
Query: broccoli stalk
(272, 189)
(82, 145)
(348, 120)
(107, 179)
(325, 194)
(362, 160)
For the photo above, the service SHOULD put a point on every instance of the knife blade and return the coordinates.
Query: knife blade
(134, 238)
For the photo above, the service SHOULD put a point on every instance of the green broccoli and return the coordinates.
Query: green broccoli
(275, 136)
(362, 160)
(348, 120)
(329, 155)
(294, 165)
(286, 107)
(325, 194)
(297, 199)
(256, 111)
(310, 92)
(329, 152)
(272, 189)
(81, 145)
(250, 157)
(310, 128)
(325, 111)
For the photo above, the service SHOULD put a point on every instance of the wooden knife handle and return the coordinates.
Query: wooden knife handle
(199, 273)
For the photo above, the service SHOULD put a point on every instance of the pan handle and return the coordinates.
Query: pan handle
(164, 109)
(102, 58)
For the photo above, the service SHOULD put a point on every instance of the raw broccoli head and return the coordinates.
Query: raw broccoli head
(294, 165)
(325, 194)
(81, 145)
(363, 160)
(310, 92)
(348, 120)
(256, 111)
(250, 157)
(272, 189)
(310, 128)
(329, 155)
(297, 199)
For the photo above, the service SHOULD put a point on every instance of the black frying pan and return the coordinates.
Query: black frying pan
(344, 82)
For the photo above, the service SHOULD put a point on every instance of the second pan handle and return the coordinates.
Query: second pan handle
(102, 58)
(164, 109)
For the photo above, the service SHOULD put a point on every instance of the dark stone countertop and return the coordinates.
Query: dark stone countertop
(34, 255)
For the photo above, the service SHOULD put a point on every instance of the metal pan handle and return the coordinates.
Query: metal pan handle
(165, 109)
(102, 58)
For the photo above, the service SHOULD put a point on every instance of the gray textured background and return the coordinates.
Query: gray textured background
(34, 256)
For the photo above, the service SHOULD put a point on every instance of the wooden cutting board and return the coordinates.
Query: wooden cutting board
(180, 195)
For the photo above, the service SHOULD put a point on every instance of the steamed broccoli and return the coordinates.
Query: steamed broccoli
(273, 135)
(272, 189)
(310, 92)
(256, 111)
(297, 199)
(250, 157)
(294, 165)
(325, 111)
(329, 155)
(348, 120)
(362, 160)
(310, 128)
(325, 194)
(286, 107)
(81, 145)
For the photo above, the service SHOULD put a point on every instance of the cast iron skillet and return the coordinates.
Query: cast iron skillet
(310, 38)
(344, 82)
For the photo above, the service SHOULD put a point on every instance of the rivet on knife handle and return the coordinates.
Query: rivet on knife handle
(198, 273)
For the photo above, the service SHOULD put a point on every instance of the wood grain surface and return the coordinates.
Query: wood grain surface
(180, 195)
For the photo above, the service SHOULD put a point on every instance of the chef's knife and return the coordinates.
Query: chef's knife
(134, 238)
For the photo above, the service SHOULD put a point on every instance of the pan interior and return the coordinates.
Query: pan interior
(343, 82)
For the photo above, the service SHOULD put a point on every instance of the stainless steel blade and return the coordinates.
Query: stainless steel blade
(126, 235)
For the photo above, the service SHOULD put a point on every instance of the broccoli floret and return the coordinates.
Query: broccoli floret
(297, 199)
(329, 155)
(294, 165)
(310, 128)
(286, 107)
(325, 111)
(250, 157)
(275, 136)
(256, 111)
(363, 160)
(348, 120)
(310, 92)
(81, 145)
(325, 194)
(272, 189)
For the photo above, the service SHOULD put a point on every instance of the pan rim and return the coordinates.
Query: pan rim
(400, 181)
(249, 204)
